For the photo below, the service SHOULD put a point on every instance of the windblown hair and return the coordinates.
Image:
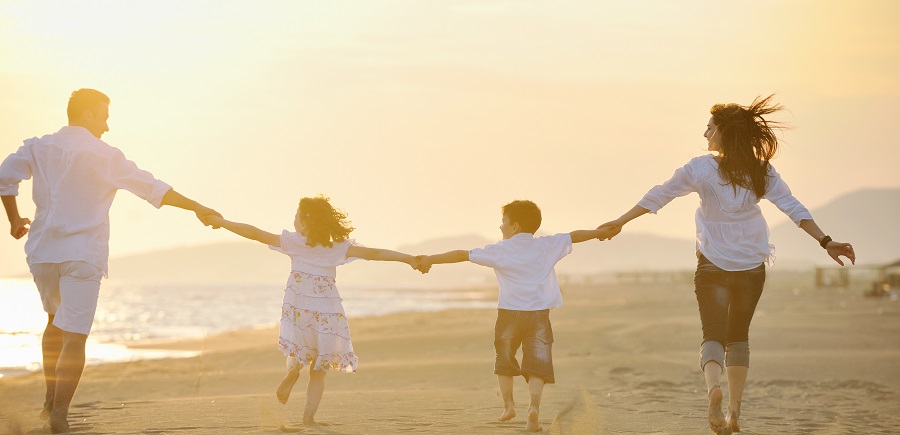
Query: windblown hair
(326, 225)
(526, 213)
(748, 142)
(85, 99)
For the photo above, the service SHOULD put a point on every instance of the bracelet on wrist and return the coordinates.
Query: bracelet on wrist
(824, 242)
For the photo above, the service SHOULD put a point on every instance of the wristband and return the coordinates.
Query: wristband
(824, 242)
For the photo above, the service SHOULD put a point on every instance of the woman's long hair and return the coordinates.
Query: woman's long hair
(326, 225)
(748, 142)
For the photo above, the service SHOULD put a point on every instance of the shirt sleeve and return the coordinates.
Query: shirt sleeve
(290, 243)
(558, 246)
(779, 193)
(16, 168)
(681, 183)
(124, 174)
(490, 255)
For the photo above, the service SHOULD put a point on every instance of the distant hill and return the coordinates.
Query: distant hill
(868, 218)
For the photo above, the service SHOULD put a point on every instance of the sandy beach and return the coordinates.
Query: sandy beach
(824, 361)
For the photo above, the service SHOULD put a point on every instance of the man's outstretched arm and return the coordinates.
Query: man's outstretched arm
(175, 199)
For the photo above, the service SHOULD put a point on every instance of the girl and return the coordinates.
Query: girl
(732, 239)
(314, 328)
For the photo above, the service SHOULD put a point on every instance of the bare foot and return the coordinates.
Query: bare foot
(732, 419)
(717, 421)
(58, 423)
(45, 413)
(509, 413)
(287, 384)
(533, 424)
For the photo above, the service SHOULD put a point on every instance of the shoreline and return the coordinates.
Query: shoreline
(625, 358)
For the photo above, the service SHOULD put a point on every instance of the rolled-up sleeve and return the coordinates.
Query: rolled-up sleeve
(16, 168)
(124, 174)
(681, 183)
(779, 193)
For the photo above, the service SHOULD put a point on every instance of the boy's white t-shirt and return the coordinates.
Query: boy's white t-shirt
(524, 268)
(314, 260)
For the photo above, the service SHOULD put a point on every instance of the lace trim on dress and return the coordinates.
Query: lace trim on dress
(304, 355)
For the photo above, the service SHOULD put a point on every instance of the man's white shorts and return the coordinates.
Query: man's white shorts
(69, 292)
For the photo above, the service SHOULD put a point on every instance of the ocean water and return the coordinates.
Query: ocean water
(132, 314)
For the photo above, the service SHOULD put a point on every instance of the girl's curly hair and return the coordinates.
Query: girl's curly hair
(325, 224)
(748, 142)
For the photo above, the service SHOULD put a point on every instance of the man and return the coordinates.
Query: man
(76, 176)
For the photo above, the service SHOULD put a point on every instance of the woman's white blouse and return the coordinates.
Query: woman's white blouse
(731, 230)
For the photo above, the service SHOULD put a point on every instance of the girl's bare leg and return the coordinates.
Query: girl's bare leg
(287, 384)
(506, 392)
(314, 391)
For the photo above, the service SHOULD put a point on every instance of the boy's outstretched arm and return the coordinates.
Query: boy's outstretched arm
(600, 233)
(381, 255)
(245, 230)
(425, 261)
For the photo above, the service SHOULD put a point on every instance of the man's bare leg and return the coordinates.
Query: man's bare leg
(506, 392)
(287, 384)
(51, 345)
(535, 389)
(314, 392)
(68, 374)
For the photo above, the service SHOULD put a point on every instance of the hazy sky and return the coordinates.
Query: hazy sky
(421, 118)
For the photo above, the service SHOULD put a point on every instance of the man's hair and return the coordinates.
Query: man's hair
(85, 99)
(525, 213)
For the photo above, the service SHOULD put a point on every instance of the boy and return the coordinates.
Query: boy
(528, 290)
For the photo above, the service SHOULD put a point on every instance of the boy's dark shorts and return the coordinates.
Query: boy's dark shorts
(532, 331)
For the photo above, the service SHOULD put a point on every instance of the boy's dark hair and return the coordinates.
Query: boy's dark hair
(525, 213)
(326, 224)
(85, 99)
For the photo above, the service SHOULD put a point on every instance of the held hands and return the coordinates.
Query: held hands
(19, 227)
(421, 263)
(214, 221)
(609, 230)
(205, 214)
(837, 249)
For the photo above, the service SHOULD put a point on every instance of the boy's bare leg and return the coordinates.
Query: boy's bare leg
(287, 384)
(506, 392)
(737, 378)
(51, 345)
(68, 374)
(314, 391)
(535, 389)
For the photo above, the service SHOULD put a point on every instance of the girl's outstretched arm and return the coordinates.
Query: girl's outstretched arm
(381, 255)
(246, 231)
(835, 249)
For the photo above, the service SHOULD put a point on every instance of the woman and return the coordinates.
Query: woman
(732, 239)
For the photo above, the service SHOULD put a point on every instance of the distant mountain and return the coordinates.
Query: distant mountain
(868, 219)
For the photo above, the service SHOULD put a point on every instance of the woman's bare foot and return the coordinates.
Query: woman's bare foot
(45, 413)
(509, 413)
(287, 384)
(58, 423)
(717, 421)
(533, 423)
(732, 419)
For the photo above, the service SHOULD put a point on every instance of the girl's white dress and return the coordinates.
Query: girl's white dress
(314, 328)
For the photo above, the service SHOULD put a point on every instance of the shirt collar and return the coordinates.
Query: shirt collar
(75, 129)
(522, 236)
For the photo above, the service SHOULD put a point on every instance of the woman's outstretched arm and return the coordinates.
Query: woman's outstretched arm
(835, 249)
(381, 255)
(615, 226)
